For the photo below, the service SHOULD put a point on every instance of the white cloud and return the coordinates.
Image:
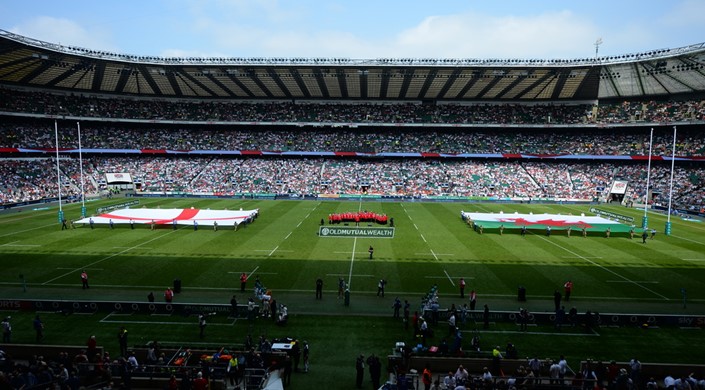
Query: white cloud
(65, 32)
(559, 34)
(549, 35)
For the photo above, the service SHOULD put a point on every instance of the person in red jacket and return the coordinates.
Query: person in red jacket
(568, 287)
(168, 295)
(84, 279)
(200, 383)
(243, 281)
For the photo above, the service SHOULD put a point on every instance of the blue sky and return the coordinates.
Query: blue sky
(360, 29)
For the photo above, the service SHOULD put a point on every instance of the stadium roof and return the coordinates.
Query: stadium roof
(26, 62)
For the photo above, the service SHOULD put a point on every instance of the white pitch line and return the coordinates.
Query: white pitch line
(89, 269)
(269, 250)
(593, 334)
(159, 323)
(352, 261)
(11, 220)
(272, 252)
(599, 266)
(635, 281)
(574, 257)
(261, 273)
(253, 271)
(445, 277)
(361, 276)
(126, 247)
(451, 280)
(694, 259)
(682, 238)
(299, 224)
(434, 254)
(307, 291)
(352, 256)
(423, 238)
(417, 228)
(287, 236)
(190, 342)
(439, 254)
(106, 258)
(27, 230)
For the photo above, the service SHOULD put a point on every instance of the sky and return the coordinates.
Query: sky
(361, 29)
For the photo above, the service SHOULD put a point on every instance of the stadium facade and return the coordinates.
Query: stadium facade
(27, 62)
(441, 100)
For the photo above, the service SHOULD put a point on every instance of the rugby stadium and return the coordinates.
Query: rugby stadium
(274, 222)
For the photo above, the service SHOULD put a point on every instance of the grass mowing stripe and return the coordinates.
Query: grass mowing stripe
(27, 230)
(11, 220)
(107, 257)
(498, 265)
(600, 266)
(688, 239)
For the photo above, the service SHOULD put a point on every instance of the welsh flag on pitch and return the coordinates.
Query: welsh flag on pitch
(541, 221)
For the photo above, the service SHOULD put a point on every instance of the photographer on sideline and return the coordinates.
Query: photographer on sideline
(202, 323)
